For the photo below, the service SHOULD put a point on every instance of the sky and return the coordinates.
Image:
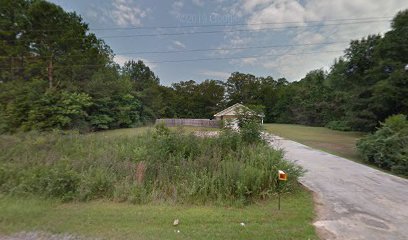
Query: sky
(196, 39)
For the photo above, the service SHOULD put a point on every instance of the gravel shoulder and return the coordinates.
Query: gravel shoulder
(353, 201)
(42, 236)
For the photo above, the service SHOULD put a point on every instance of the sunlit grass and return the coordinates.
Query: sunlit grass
(109, 220)
(339, 143)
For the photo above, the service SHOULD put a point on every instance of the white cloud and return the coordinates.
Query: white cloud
(121, 59)
(176, 8)
(309, 37)
(233, 40)
(290, 10)
(179, 44)
(295, 64)
(306, 14)
(99, 14)
(249, 60)
(277, 12)
(215, 74)
(198, 2)
(92, 13)
(127, 13)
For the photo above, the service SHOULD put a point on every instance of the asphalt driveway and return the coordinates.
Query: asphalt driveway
(353, 201)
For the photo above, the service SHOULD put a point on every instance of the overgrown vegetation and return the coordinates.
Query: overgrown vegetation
(249, 123)
(160, 165)
(338, 125)
(388, 147)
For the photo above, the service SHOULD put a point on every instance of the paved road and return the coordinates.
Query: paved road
(353, 201)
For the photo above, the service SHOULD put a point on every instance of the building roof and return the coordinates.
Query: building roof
(230, 111)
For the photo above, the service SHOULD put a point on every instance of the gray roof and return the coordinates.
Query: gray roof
(232, 110)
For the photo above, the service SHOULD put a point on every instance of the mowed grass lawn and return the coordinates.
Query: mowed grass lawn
(109, 220)
(338, 143)
(113, 220)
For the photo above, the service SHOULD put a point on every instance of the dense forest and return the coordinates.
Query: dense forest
(56, 74)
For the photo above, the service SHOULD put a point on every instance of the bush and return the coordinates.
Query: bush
(387, 148)
(96, 183)
(250, 128)
(3, 122)
(159, 166)
(57, 110)
(58, 181)
(338, 125)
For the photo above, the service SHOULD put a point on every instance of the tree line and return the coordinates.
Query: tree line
(56, 74)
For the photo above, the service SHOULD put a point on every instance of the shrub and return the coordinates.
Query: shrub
(159, 165)
(57, 110)
(58, 181)
(251, 132)
(3, 122)
(249, 122)
(338, 125)
(388, 147)
(96, 183)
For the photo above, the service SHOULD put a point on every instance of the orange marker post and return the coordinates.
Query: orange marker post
(282, 176)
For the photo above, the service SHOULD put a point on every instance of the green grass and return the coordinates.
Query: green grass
(339, 143)
(140, 167)
(111, 220)
(107, 219)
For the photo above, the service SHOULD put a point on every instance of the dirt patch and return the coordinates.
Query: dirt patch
(206, 133)
(320, 211)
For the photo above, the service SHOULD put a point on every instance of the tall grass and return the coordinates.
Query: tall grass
(158, 165)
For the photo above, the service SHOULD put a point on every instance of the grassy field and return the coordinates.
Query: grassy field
(111, 220)
(339, 143)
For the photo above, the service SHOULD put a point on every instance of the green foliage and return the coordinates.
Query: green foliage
(251, 132)
(57, 110)
(197, 100)
(17, 99)
(140, 74)
(119, 112)
(96, 183)
(63, 79)
(3, 122)
(59, 181)
(388, 147)
(338, 125)
(160, 166)
(363, 87)
(310, 101)
(249, 122)
(161, 130)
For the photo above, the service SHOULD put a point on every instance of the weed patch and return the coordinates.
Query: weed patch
(154, 166)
